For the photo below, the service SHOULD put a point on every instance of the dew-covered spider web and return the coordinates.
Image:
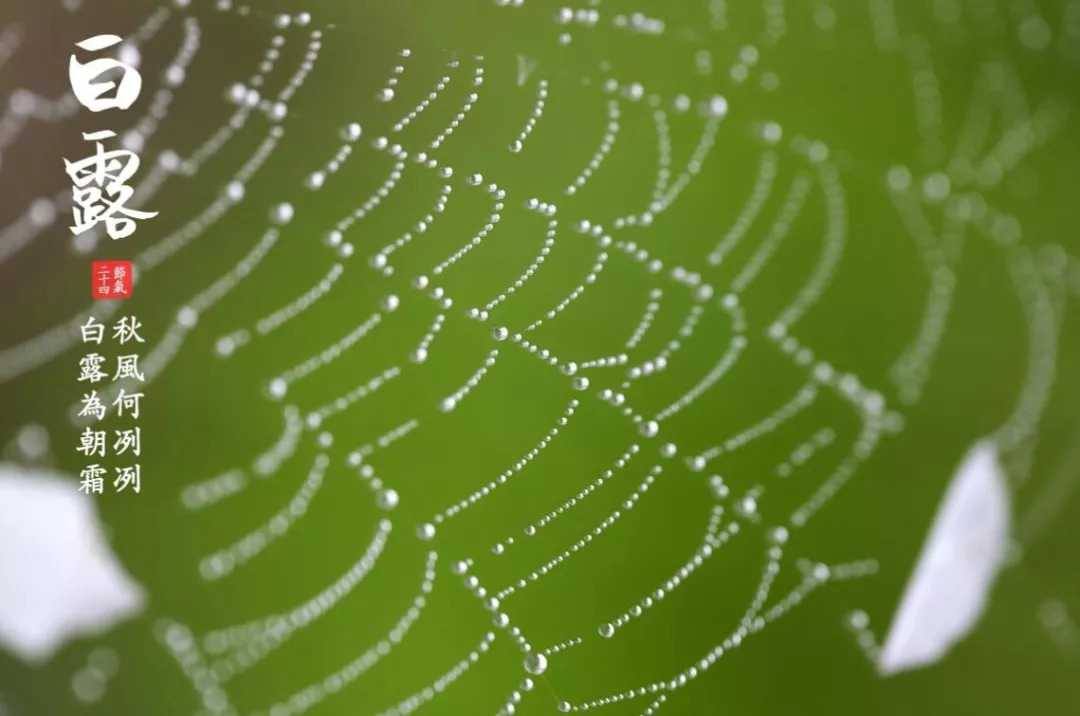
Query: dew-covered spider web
(512, 357)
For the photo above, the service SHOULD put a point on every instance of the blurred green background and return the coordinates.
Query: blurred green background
(880, 83)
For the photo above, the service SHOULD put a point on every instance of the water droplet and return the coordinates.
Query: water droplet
(187, 316)
(718, 106)
(536, 663)
(352, 132)
(282, 213)
(33, 441)
(716, 483)
(277, 388)
(747, 506)
(234, 190)
(1035, 33)
(387, 499)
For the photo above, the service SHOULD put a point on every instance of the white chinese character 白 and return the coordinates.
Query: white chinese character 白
(93, 332)
(92, 83)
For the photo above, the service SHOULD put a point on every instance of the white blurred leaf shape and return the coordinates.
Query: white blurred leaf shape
(59, 578)
(956, 569)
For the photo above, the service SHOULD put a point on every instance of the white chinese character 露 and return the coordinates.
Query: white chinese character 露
(90, 368)
(101, 192)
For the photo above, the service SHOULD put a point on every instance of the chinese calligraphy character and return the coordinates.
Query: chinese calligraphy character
(128, 477)
(100, 191)
(128, 367)
(110, 280)
(119, 287)
(104, 280)
(92, 405)
(90, 368)
(128, 439)
(91, 93)
(93, 332)
(126, 329)
(91, 479)
(127, 401)
(92, 442)
(113, 279)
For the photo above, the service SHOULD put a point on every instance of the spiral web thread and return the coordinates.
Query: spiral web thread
(795, 192)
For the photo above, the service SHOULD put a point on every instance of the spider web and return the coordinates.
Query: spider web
(516, 359)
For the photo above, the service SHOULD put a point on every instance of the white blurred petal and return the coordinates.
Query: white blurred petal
(58, 576)
(962, 556)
